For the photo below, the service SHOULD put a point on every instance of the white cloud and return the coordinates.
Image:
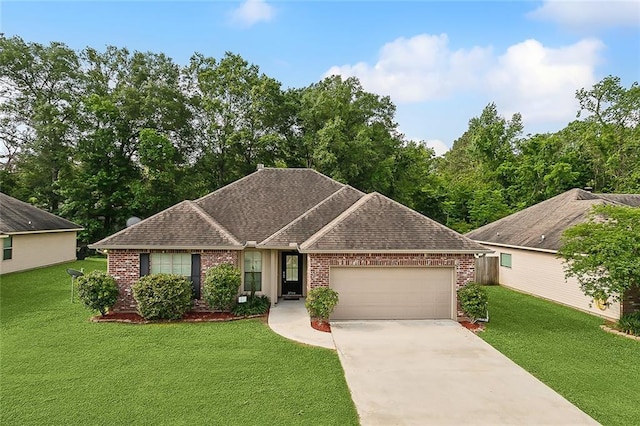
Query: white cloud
(418, 68)
(589, 13)
(528, 77)
(251, 12)
(540, 82)
(438, 146)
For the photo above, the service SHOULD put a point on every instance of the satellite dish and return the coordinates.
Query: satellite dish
(132, 221)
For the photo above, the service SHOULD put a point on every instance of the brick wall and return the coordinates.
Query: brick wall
(631, 300)
(124, 266)
(319, 265)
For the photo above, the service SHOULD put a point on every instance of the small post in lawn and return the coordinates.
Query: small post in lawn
(74, 274)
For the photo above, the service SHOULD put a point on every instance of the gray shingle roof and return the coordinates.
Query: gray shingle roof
(257, 206)
(549, 218)
(183, 225)
(376, 222)
(17, 216)
(276, 207)
(313, 220)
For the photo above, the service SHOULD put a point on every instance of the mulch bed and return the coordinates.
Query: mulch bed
(475, 327)
(135, 318)
(321, 326)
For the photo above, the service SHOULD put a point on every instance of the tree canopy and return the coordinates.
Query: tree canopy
(603, 254)
(99, 136)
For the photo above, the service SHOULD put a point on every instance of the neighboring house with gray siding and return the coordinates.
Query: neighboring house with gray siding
(289, 230)
(527, 243)
(32, 238)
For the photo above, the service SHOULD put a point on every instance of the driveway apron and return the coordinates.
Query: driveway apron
(439, 373)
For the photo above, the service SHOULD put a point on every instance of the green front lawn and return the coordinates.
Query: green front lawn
(597, 371)
(57, 367)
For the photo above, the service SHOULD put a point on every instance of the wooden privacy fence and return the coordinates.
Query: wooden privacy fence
(487, 270)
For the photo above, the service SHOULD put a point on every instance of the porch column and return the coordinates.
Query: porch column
(275, 277)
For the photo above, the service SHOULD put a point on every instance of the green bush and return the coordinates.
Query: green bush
(473, 300)
(630, 323)
(163, 296)
(221, 284)
(97, 290)
(255, 305)
(321, 301)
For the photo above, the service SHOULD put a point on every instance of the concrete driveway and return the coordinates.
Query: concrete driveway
(439, 373)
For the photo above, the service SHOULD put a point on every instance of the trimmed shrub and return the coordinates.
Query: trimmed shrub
(474, 301)
(255, 305)
(163, 296)
(97, 290)
(221, 285)
(630, 323)
(321, 301)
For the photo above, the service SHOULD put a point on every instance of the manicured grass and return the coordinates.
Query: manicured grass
(57, 367)
(597, 371)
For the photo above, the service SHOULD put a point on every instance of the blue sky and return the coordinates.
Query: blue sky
(441, 62)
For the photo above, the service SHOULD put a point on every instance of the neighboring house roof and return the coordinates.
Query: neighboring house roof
(549, 218)
(17, 217)
(278, 208)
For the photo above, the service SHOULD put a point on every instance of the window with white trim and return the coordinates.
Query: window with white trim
(505, 260)
(171, 263)
(7, 248)
(252, 270)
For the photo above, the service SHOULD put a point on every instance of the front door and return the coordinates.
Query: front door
(291, 274)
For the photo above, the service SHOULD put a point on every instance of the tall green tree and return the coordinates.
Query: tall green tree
(478, 171)
(237, 117)
(40, 90)
(612, 134)
(348, 133)
(134, 140)
(547, 165)
(603, 254)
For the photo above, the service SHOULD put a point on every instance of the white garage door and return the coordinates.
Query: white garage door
(392, 292)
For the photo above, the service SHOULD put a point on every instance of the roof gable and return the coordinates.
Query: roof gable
(377, 223)
(541, 225)
(262, 203)
(314, 219)
(183, 225)
(17, 217)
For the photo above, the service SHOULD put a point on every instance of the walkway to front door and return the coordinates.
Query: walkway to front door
(289, 318)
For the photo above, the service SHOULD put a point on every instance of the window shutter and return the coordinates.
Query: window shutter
(195, 275)
(144, 264)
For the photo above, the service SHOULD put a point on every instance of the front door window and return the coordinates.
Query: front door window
(291, 274)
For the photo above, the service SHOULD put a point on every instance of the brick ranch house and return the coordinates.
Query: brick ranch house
(290, 230)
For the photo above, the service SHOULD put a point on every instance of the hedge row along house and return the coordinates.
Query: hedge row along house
(290, 230)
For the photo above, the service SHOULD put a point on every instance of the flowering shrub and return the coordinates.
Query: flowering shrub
(321, 301)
